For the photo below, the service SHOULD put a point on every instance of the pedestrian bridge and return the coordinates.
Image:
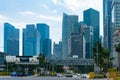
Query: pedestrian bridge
(68, 62)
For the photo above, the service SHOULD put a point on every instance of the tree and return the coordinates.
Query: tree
(106, 58)
(102, 56)
(42, 60)
(97, 50)
(117, 49)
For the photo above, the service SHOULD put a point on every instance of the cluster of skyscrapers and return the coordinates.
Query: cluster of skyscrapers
(78, 37)
(111, 27)
(35, 40)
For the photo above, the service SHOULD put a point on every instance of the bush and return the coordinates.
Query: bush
(112, 69)
(4, 73)
(117, 78)
(99, 76)
(52, 73)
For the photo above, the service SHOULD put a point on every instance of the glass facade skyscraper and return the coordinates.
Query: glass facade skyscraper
(91, 18)
(31, 41)
(11, 40)
(77, 45)
(47, 48)
(67, 24)
(88, 33)
(107, 23)
(44, 32)
(116, 31)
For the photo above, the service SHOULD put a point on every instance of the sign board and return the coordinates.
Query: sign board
(10, 58)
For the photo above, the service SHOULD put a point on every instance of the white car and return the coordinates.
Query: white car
(69, 73)
(59, 75)
(84, 76)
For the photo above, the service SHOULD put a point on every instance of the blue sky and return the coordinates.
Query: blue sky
(22, 12)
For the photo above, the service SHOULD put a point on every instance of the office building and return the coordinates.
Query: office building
(47, 48)
(107, 23)
(88, 34)
(67, 23)
(44, 32)
(31, 41)
(116, 31)
(57, 50)
(91, 18)
(77, 46)
(11, 40)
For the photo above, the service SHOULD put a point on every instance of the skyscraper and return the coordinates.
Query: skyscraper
(45, 41)
(47, 48)
(57, 50)
(67, 23)
(31, 41)
(11, 39)
(77, 46)
(107, 23)
(44, 32)
(116, 31)
(91, 18)
(88, 33)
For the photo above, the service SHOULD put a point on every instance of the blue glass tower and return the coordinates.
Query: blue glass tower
(44, 32)
(31, 41)
(68, 22)
(91, 18)
(47, 48)
(89, 41)
(107, 23)
(11, 40)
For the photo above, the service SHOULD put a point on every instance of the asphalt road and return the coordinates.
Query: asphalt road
(43, 78)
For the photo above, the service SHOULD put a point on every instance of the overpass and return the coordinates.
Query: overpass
(68, 62)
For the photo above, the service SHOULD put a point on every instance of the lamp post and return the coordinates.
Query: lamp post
(97, 54)
(97, 60)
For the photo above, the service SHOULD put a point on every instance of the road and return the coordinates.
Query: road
(44, 78)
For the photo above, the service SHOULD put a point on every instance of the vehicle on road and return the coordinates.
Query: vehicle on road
(14, 74)
(69, 73)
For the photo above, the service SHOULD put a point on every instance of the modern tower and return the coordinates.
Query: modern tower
(91, 18)
(77, 46)
(44, 32)
(88, 33)
(116, 31)
(47, 48)
(31, 41)
(11, 40)
(107, 23)
(67, 23)
(57, 50)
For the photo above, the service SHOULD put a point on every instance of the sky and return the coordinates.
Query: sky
(22, 12)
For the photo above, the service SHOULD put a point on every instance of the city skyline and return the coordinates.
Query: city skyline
(20, 14)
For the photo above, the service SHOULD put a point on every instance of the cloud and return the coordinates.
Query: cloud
(44, 6)
(54, 11)
(42, 16)
(3, 18)
(55, 2)
(27, 13)
(80, 5)
(50, 18)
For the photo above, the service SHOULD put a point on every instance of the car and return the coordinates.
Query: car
(84, 76)
(78, 75)
(69, 73)
(14, 74)
(59, 75)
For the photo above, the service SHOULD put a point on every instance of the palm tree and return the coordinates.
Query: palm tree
(117, 49)
(42, 60)
(103, 56)
(106, 58)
